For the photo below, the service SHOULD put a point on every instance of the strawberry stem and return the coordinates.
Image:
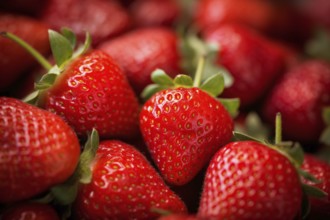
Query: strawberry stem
(199, 71)
(42, 60)
(278, 129)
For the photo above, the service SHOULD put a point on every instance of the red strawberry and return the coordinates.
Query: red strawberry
(30, 211)
(38, 150)
(253, 61)
(321, 171)
(149, 49)
(183, 127)
(33, 32)
(124, 186)
(300, 96)
(248, 180)
(102, 19)
(278, 20)
(88, 90)
(154, 12)
(94, 93)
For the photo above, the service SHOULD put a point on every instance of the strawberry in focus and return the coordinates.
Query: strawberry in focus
(86, 88)
(38, 150)
(124, 185)
(248, 180)
(183, 126)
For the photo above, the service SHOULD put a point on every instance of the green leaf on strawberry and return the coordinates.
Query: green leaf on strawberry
(214, 85)
(61, 47)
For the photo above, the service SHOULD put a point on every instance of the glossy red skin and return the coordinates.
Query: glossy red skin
(149, 49)
(102, 19)
(124, 186)
(30, 211)
(180, 217)
(38, 150)
(300, 97)
(183, 128)
(248, 180)
(30, 30)
(253, 61)
(321, 171)
(93, 92)
(154, 12)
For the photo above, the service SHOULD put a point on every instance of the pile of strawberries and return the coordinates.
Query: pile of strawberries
(154, 109)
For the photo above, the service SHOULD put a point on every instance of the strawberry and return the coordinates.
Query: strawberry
(87, 89)
(249, 180)
(33, 32)
(320, 170)
(253, 61)
(154, 12)
(38, 150)
(150, 48)
(183, 126)
(103, 19)
(179, 217)
(277, 20)
(123, 186)
(300, 96)
(28, 211)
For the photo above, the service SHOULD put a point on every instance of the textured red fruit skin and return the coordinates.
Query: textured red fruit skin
(320, 170)
(94, 93)
(149, 49)
(247, 180)
(253, 61)
(102, 19)
(30, 30)
(300, 97)
(37, 150)
(124, 186)
(154, 12)
(183, 128)
(30, 211)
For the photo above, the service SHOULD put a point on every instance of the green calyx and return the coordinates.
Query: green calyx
(65, 193)
(214, 85)
(63, 49)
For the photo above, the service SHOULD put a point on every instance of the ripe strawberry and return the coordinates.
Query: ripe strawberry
(124, 185)
(277, 20)
(88, 90)
(33, 32)
(102, 19)
(300, 96)
(150, 48)
(321, 171)
(183, 127)
(29, 211)
(253, 61)
(38, 150)
(248, 180)
(154, 12)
